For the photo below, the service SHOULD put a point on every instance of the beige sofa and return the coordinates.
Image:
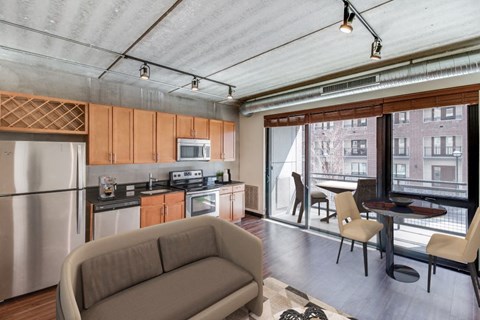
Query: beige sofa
(197, 268)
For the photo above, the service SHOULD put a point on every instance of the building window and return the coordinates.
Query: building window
(325, 125)
(359, 168)
(400, 117)
(443, 113)
(363, 122)
(399, 170)
(358, 147)
(443, 146)
(443, 173)
(400, 147)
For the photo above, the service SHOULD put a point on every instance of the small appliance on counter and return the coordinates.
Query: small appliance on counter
(106, 187)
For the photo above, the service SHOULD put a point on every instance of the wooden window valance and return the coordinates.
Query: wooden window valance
(378, 107)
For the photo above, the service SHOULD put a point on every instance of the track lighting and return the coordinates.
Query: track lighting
(348, 17)
(376, 53)
(195, 83)
(230, 91)
(144, 72)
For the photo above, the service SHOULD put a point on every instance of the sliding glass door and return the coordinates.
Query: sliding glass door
(286, 150)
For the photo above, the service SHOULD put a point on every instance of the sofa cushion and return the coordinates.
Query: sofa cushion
(178, 294)
(183, 248)
(112, 272)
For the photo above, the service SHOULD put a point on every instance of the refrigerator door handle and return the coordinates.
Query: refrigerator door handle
(80, 167)
(80, 209)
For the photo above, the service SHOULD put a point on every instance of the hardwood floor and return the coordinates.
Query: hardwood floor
(306, 261)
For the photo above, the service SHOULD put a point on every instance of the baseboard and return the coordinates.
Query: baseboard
(255, 214)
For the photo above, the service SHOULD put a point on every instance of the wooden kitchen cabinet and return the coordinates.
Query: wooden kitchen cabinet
(222, 138)
(232, 202)
(110, 138)
(144, 136)
(162, 208)
(192, 127)
(166, 137)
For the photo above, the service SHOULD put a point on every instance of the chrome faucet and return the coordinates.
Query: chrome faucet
(151, 180)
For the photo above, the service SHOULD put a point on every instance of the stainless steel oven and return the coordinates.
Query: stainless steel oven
(201, 197)
(202, 202)
(193, 149)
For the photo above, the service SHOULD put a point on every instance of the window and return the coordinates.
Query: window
(359, 147)
(363, 122)
(443, 146)
(448, 113)
(325, 125)
(443, 173)
(399, 170)
(359, 168)
(400, 146)
(400, 117)
(444, 113)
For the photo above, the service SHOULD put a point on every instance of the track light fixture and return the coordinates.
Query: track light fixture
(348, 17)
(230, 91)
(144, 71)
(349, 12)
(195, 82)
(376, 53)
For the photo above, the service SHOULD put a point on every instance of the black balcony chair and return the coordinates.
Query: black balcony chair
(366, 190)
(315, 197)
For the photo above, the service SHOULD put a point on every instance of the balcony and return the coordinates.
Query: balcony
(401, 152)
(354, 152)
(440, 151)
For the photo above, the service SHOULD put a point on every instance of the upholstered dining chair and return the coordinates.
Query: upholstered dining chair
(366, 190)
(353, 227)
(315, 197)
(463, 250)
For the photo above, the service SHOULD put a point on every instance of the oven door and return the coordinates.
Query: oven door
(193, 149)
(203, 202)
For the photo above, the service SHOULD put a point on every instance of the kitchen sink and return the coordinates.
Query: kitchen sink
(150, 192)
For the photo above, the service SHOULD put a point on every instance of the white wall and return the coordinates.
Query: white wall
(252, 134)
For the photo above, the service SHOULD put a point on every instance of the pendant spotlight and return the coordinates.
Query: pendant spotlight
(144, 71)
(350, 12)
(348, 17)
(230, 91)
(376, 53)
(195, 82)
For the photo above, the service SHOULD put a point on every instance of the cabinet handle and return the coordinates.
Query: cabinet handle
(109, 157)
(114, 158)
(165, 209)
(156, 154)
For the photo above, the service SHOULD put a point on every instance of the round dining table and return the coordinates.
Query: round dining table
(418, 209)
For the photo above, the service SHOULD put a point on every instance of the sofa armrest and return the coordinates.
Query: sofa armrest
(245, 250)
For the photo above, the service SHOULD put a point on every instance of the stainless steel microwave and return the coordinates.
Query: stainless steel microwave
(193, 150)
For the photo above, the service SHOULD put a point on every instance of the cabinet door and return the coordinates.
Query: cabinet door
(216, 139)
(144, 136)
(201, 128)
(122, 135)
(166, 137)
(175, 211)
(100, 134)
(151, 210)
(226, 206)
(185, 127)
(228, 141)
(238, 205)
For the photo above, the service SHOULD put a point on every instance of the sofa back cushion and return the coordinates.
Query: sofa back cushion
(109, 273)
(183, 248)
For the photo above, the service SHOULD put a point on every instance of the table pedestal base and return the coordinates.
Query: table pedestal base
(403, 273)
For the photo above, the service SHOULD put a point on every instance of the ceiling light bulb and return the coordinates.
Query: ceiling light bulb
(195, 83)
(144, 72)
(376, 53)
(230, 91)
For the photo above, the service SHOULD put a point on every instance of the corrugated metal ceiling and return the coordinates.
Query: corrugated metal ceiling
(254, 45)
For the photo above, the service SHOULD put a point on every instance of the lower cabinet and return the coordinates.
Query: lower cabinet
(232, 202)
(162, 208)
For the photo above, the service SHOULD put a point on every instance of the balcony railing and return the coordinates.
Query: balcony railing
(401, 152)
(355, 151)
(440, 151)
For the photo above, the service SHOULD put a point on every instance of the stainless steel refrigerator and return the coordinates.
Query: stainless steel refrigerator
(42, 212)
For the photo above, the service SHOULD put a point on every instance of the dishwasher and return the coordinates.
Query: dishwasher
(115, 217)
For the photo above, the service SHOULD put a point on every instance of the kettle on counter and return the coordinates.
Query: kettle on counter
(226, 175)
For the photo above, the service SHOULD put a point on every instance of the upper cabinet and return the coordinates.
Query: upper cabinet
(166, 137)
(154, 137)
(144, 136)
(192, 127)
(110, 138)
(222, 137)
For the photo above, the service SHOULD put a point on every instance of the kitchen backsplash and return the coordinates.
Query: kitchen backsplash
(130, 173)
